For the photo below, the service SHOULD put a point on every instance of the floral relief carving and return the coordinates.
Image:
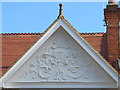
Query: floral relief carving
(57, 63)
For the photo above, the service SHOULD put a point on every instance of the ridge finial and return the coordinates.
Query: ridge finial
(60, 10)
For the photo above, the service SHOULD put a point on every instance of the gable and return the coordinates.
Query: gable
(60, 57)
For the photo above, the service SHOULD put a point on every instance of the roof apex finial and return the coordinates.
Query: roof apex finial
(60, 10)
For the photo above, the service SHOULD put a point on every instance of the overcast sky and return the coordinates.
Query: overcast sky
(24, 17)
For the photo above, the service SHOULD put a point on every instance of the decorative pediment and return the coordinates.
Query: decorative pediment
(61, 58)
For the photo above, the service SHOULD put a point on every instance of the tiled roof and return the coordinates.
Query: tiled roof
(93, 34)
(14, 45)
(20, 33)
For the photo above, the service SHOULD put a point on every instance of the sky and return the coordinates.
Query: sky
(35, 17)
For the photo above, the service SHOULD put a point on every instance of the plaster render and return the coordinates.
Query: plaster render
(60, 59)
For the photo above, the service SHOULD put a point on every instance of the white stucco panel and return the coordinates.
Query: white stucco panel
(60, 59)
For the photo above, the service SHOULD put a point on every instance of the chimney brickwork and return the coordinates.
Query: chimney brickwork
(112, 17)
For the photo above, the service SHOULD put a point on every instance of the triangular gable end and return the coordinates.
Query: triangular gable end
(74, 77)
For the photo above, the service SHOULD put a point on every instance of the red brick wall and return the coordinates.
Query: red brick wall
(111, 14)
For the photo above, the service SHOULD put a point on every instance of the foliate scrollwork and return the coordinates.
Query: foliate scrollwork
(57, 63)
